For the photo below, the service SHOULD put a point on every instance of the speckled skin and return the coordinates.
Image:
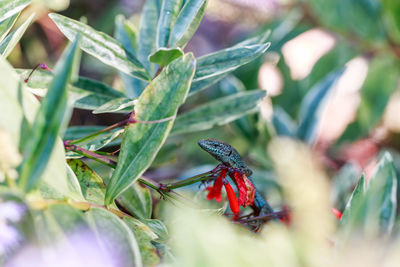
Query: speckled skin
(229, 156)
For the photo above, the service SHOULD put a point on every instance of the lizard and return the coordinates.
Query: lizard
(230, 157)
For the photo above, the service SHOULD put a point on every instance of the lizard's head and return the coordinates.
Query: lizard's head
(219, 150)
(224, 153)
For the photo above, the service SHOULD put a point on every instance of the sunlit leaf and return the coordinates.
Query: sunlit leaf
(9, 8)
(141, 142)
(8, 44)
(48, 121)
(6, 25)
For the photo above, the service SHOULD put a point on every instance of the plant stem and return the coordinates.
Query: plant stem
(90, 154)
(188, 181)
(95, 134)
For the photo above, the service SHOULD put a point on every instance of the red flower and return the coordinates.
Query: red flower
(233, 202)
(215, 190)
(337, 213)
(245, 187)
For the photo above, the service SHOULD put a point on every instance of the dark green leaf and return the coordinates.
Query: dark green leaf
(163, 56)
(312, 107)
(9, 8)
(141, 142)
(218, 112)
(101, 46)
(47, 124)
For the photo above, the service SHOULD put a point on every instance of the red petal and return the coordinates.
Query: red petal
(215, 190)
(241, 187)
(249, 189)
(233, 202)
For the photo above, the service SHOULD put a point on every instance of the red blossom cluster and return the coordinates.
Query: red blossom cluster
(244, 185)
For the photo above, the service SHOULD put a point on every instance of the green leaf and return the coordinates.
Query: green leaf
(121, 105)
(353, 212)
(312, 107)
(199, 85)
(246, 124)
(392, 18)
(187, 22)
(55, 223)
(168, 14)
(144, 237)
(8, 44)
(373, 210)
(158, 227)
(283, 124)
(381, 197)
(47, 124)
(127, 35)
(163, 56)
(148, 32)
(358, 17)
(9, 8)
(101, 46)
(381, 82)
(213, 66)
(218, 112)
(96, 143)
(6, 25)
(258, 39)
(343, 183)
(16, 100)
(141, 142)
(115, 237)
(137, 200)
(91, 184)
(87, 93)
